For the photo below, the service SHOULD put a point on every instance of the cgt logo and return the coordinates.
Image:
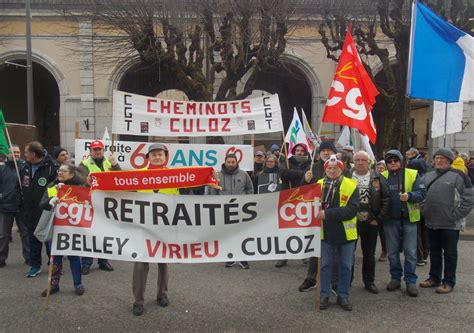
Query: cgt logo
(299, 207)
(74, 208)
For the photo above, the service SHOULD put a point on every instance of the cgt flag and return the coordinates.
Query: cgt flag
(3, 140)
(352, 93)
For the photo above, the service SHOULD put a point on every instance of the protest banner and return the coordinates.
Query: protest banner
(142, 115)
(131, 155)
(153, 227)
(152, 179)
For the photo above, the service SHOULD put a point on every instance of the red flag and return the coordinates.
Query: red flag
(352, 93)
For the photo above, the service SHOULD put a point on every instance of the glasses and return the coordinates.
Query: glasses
(392, 161)
(62, 171)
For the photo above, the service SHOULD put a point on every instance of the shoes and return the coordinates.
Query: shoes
(79, 290)
(163, 301)
(372, 288)
(281, 263)
(420, 263)
(383, 256)
(393, 285)
(244, 265)
(428, 283)
(344, 304)
(334, 290)
(106, 267)
(444, 289)
(53, 290)
(324, 303)
(229, 263)
(411, 290)
(86, 269)
(2, 264)
(34, 271)
(137, 309)
(307, 285)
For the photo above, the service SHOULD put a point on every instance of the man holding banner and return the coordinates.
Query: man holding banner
(96, 162)
(232, 181)
(157, 157)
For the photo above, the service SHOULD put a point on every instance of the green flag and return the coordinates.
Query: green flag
(3, 139)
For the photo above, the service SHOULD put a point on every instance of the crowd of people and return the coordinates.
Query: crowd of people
(414, 207)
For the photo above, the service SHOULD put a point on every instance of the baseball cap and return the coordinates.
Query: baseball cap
(156, 146)
(96, 144)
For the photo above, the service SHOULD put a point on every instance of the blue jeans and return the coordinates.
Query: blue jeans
(443, 242)
(346, 251)
(392, 237)
(75, 265)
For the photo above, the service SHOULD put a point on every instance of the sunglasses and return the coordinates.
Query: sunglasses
(393, 160)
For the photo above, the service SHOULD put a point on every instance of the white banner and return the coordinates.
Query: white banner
(454, 118)
(143, 115)
(149, 227)
(131, 155)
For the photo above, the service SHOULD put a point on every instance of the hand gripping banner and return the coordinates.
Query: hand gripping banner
(152, 179)
(154, 227)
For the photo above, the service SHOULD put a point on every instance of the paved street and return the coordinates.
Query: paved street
(213, 298)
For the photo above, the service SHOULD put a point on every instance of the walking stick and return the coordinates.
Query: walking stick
(48, 288)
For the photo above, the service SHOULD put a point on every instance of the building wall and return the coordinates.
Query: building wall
(86, 85)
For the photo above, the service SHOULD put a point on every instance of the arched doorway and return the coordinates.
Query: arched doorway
(294, 91)
(13, 99)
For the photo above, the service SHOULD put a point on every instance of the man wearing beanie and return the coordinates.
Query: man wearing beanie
(406, 192)
(339, 205)
(325, 150)
(448, 201)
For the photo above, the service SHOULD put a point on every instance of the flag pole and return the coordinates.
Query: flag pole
(14, 159)
(445, 123)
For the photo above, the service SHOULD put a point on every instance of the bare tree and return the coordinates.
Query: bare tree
(382, 30)
(195, 41)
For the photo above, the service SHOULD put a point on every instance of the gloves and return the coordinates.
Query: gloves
(54, 201)
(112, 159)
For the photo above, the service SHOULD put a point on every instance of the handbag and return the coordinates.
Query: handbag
(44, 229)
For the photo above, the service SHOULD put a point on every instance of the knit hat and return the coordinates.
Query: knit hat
(301, 145)
(58, 150)
(274, 147)
(333, 161)
(96, 144)
(446, 153)
(157, 146)
(326, 144)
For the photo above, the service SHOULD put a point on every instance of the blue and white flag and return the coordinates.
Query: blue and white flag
(441, 60)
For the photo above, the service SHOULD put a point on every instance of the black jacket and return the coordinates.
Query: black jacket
(33, 187)
(10, 192)
(295, 173)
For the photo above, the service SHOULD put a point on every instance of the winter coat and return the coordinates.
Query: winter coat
(10, 192)
(294, 175)
(233, 182)
(379, 199)
(449, 198)
(33, 187)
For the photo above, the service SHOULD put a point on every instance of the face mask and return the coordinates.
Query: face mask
(301, 159)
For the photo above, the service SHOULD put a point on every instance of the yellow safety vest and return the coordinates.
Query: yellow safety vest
(413, 208)
(170, 191)
(92, 167)
(346, 189)
(52, 191)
